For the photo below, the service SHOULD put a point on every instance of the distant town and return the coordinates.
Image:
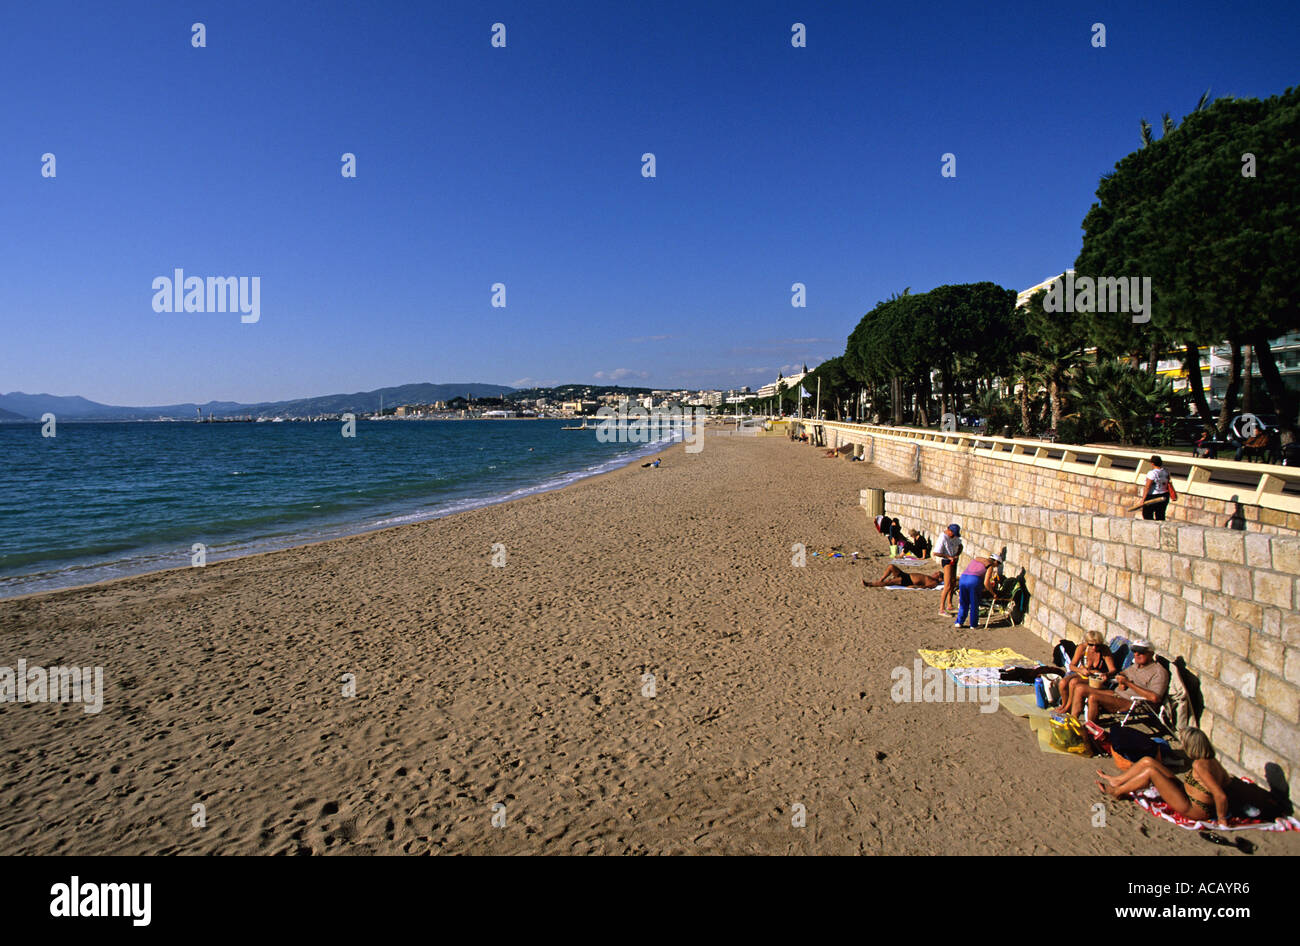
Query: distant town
(422, 401)
(579, 401)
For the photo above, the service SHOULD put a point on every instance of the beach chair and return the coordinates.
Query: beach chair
(1160, 715)
(1175, 712)
(1004, 598)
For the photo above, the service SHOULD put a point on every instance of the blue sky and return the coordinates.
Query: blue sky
(522, 165)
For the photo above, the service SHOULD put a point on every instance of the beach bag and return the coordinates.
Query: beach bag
(1068, 735)
(1063, 653)
(1046, 692)
(1248, 800)
(1127, 745)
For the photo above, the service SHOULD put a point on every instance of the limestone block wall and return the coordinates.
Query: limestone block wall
(1224, 600)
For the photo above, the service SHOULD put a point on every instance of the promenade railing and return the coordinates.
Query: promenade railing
(1267, 485)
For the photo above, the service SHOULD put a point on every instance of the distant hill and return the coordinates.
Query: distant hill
(18, 406)
(368, 401)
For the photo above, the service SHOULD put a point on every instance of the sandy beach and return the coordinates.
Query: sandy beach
(525, 686)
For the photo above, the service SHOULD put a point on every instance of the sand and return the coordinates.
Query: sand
(524, 686)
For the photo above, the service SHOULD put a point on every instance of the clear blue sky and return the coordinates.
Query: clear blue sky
(522, 165)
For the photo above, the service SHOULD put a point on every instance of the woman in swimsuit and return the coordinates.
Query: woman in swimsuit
(1092, 656)
(1201, 796)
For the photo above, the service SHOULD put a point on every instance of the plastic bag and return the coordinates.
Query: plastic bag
(1068, 735)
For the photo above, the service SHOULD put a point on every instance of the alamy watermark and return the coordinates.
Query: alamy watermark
(181, 293)
(925, 684)
(25, 684)
(1128, 294)
(642, 425)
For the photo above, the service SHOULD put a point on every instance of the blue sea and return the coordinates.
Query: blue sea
(100, 501)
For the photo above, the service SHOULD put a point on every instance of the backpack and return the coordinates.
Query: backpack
(1063, 653)
(1132, 744)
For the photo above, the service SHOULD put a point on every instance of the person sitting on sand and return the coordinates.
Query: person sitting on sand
(916, 545)
(1144, 679)
(980, 575)
(893, 535)
(896, 576)
(1202, 795)
(1090, 657)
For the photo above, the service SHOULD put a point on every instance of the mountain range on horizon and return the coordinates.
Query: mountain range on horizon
(17, 407)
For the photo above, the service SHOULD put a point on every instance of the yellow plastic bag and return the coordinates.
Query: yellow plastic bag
(1068, 735)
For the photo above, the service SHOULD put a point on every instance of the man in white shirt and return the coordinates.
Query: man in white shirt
(948, 552)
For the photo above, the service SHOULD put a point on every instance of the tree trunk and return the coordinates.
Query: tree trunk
(896, 399)
(1248, 380)
(1024, 406)
(1229, 405)
(1192, 362)
(1154, 363)
(1284, 402)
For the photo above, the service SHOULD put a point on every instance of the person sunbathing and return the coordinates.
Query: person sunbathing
(896, 576)
(1202, 795)
(1091, 657)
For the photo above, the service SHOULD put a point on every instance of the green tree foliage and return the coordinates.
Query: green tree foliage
(964, 332)
(1220, 246)
(837, 388)
(1116, 400)
(1051, 346)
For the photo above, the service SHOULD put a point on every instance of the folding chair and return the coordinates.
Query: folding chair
(1004, 597)
(1145, 708)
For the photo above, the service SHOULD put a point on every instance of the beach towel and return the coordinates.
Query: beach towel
(1150, 801)
(913, 588)
(910, 560)
(969, 657)
(981, 677)
(1022, 704)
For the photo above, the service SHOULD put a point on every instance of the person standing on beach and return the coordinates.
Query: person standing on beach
(1156, 490)
(948, 553)
(980, 575)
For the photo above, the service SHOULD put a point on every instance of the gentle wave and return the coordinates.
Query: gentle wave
(264, 525)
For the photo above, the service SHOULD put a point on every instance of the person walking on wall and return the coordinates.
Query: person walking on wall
(1156, 490)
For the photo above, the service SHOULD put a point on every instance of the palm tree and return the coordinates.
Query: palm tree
(1167, 124)
(1119, 400)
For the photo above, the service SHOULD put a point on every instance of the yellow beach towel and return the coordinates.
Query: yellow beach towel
(969, 657)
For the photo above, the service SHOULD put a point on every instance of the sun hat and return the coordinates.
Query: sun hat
(955, 530)
(996, 556)
(1141, 645)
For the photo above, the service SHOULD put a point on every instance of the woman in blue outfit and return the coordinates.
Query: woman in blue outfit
(980, 575)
